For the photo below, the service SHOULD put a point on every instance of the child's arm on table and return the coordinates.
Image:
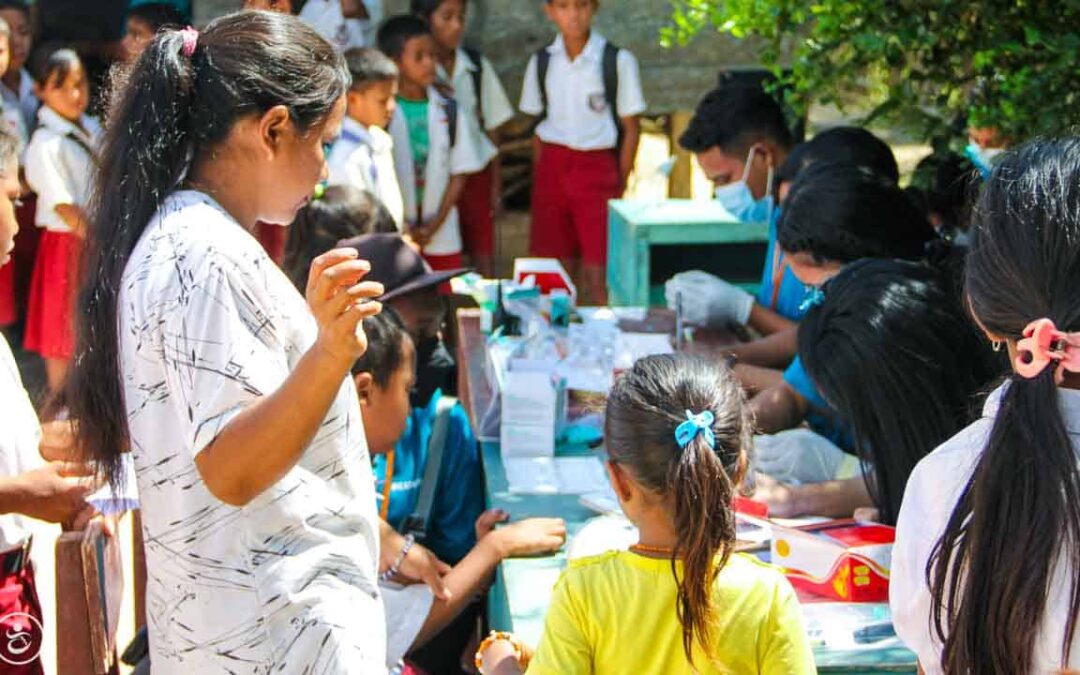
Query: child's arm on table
(472, 575)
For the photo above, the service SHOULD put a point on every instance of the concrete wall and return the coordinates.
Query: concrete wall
(509, 31)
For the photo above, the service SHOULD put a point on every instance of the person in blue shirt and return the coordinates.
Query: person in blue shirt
(740, 138)
(780, 289)
(835, 214)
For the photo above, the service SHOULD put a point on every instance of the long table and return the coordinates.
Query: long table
(519, 599)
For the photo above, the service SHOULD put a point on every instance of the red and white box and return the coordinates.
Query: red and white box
(842, 560)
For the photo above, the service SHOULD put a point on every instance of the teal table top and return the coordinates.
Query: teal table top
(519, 599)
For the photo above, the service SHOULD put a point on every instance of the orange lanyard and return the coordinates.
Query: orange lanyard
(387, 486)
(779, 266)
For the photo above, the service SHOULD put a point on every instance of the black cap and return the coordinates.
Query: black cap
(397, 265)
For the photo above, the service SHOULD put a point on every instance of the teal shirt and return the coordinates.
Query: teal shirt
(416, 118)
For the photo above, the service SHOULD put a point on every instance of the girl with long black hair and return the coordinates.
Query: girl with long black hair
(986, 568)
(893, 351)
(196, 354)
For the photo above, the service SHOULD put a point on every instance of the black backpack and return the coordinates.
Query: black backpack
(610, 67)
(477, 61)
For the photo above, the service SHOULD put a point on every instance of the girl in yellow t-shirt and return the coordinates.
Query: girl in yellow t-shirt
(679, 601)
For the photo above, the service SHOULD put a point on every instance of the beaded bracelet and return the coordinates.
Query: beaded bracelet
(389, 574)
(519, 649)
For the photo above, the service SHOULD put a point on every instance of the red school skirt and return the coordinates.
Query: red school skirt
(15, 276)
(50, 321)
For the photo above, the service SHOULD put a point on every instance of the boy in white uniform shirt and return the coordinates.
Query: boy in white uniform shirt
(483, 102)
(435, 149)
(589, 101)
(363, 155)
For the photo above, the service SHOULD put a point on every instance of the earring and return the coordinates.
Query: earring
(996, 345)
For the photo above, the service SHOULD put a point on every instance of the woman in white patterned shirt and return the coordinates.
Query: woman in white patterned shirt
(197, 355)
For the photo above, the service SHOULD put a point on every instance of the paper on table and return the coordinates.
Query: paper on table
(528, 415)
(640, 345)
(555, 475)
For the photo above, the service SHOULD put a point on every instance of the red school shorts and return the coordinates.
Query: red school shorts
(50, 321)
(571, 189)
(476, 213)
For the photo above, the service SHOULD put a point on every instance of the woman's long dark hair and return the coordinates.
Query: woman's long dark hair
(171, 113)
(893, 350)
(1019, 516)
(644, 408)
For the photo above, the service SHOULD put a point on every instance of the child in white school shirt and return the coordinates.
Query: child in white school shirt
(585, 143)
(435, 149)
(363, 156)
(16, 83)
(986, 563)
(59, 162)
(483, 102)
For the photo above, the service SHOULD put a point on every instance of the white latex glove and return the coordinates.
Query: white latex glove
(708, 300)
(799, 456)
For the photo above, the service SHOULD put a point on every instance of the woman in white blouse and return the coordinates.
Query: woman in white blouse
(986, 568)
(197, 355)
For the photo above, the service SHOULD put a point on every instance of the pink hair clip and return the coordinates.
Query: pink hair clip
(1042, 344)
(191, 40)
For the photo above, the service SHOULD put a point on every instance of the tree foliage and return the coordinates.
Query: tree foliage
(933, 65)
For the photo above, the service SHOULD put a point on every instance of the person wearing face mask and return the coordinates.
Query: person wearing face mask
(741, 138)
(984, 146)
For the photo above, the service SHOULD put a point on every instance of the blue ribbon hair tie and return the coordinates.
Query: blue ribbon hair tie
(701, 423)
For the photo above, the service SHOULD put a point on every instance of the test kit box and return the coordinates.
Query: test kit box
(842, 560)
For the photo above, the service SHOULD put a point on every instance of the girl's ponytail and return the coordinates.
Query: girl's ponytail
(1018, 520)
(702, 491)
(696, 469)
(178, 104)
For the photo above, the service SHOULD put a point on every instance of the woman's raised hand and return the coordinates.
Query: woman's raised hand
(340, 301)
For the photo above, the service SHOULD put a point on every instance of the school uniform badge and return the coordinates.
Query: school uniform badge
(597, 102)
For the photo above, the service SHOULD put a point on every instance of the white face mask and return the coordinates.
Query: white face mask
(739, 201)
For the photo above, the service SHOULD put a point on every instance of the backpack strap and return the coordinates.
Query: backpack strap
(611, 89)
(477, 61)
(450, 107)
(417, 523)
(543, 60)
